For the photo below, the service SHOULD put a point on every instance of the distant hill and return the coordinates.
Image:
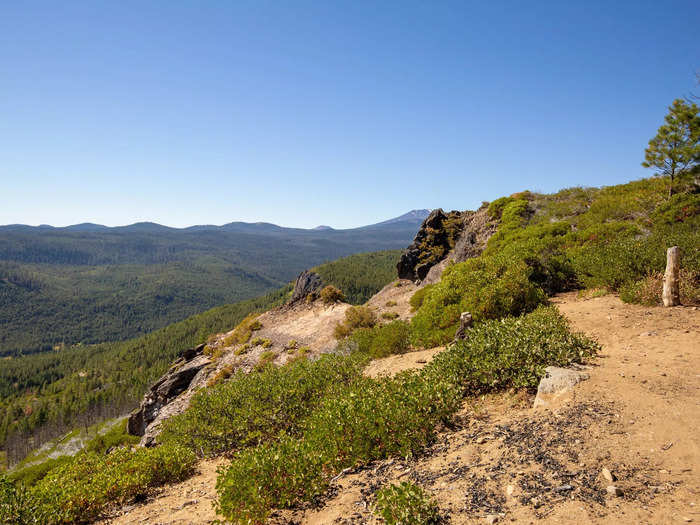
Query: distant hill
(89, 283)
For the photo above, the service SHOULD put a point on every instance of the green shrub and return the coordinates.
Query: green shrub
(406, 504)
(253, 408)
(679, 208)
(116, 436)
(495, 208)
(330, 294)
(373, 419)
(84, 487)
(389, 304)
(242, 333)
(18, 506)
(355, 317)
(416, 300)
(488, 287)
(29, 475)
(390, 316)
(380, 341)
(261, 341)
(266, 358)
(511, 352)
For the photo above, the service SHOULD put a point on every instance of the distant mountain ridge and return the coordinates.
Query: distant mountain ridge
(412, 217)
(91, 283)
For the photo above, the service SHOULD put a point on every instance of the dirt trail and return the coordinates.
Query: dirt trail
(638, 416)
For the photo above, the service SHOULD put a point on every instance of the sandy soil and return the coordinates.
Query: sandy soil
(638, 416)
(398, 363)
(399, 292)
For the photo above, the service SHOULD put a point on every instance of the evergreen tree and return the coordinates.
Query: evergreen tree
(675, 149)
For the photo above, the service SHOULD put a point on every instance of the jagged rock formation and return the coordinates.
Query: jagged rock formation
(435, 238)
(307, 283)
(175, 381)
(442, 238)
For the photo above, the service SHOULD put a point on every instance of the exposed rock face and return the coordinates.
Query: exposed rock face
(556, 383)
(444, 238)
(306, 284)
(478, 229)
(431, 244)
(175, 381)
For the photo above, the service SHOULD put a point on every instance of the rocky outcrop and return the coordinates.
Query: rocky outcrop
(477, 229)
(308, 283)
(434, 240)
(444, 238)
(173, 383)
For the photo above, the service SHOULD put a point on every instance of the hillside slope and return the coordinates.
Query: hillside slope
(634, 416)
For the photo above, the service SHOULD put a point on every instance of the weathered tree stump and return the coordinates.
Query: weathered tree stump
(465, 323)
(671, 293)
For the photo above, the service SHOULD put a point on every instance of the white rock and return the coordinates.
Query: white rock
(607, 474)
(556, 383)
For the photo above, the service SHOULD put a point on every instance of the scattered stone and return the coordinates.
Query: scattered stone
(614, 491)
(555, 383)
(510, 489)
(564, 488)
(491, 519)
(608, 475)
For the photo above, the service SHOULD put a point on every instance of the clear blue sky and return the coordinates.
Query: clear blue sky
(341, 113)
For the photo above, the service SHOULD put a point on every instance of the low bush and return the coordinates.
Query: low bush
(266, 358)
(389, 304)
(390, 316)
(250, 409)
(116, 436)
(19, 507)
(406, 504)
(416, 300)
(355, 317)
(647, 291)
(243, 332)
(31, 474)
(488, 287)
(379, 341)
(81, 489)
(330, 294)
(372, 419)
(511, 352)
